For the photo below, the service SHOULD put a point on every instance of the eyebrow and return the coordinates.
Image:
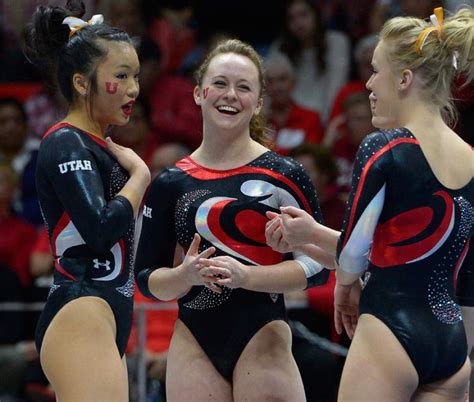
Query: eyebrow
(122, 67)
(127, 66)
(239, 80)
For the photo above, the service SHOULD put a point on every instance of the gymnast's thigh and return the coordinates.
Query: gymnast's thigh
(266, 369)
(377, 366)
(79, 354)
(190, 375)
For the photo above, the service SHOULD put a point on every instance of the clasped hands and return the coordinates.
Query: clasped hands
(291, 229)
(212, 272)
(200, 269)
(294, 229)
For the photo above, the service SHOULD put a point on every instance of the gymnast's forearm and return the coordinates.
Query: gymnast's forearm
(169, 283)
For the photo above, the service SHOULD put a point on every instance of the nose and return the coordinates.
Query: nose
(134, 89)
(231, 93)
(368, 84)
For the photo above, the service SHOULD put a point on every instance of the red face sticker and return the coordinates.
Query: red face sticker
(204, 92)
(111, 87)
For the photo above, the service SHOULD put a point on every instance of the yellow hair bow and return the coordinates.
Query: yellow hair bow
(75, 24)
(437, 21)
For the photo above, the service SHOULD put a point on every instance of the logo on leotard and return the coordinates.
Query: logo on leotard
(98, 264)
(74, 165)
(147, 211)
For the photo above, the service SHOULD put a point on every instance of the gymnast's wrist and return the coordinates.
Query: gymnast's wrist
(315, 234)
(183, 275)
(246, 276)
(345, 280)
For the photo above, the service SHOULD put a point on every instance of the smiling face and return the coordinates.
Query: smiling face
(117, 85)
(384, 96)
(229, 94)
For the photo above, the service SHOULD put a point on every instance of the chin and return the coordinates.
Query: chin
(382, 122)
(227, 125)
(120, 121)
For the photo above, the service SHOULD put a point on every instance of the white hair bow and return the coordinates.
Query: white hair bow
(75, 24)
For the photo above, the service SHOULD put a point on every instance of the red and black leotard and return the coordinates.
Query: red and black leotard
(411, 233)
(227, 208)
(90, 228)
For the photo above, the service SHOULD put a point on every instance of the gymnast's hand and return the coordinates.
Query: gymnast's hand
(128, 159)
(273, 234)
(297, 227)
(346, 307)
(192, 266)
(234, 274)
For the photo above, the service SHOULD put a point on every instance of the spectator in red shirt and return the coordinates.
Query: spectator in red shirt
(363, 57)
(174, 116)
(323, 172)
(44, 109)
(293, 124)
(172, 32)
(41, 262)
(20, 151)
(16, 236)
(344, 135)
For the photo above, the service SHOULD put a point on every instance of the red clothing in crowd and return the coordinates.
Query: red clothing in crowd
(333, 208)
(43, 111)
(174, 115)
(350, 88)
(42, 244)
(174, 43)
(151, 145)
(321, 299)
(302, 126)
(159, 326)
(16, 243)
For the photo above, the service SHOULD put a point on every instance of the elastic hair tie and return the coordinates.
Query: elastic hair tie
(75, 24)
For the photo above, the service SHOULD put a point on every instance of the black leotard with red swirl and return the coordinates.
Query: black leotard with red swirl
(227, 208)
(412, 234)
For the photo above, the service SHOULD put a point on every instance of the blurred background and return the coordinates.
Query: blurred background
(317, 56)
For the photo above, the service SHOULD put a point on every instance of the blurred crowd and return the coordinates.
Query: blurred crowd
(317, 55)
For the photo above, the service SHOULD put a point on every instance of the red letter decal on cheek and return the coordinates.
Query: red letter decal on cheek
(111, 87)
(204, 92)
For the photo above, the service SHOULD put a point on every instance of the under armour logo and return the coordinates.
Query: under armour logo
(98, 264)
(147, 211)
